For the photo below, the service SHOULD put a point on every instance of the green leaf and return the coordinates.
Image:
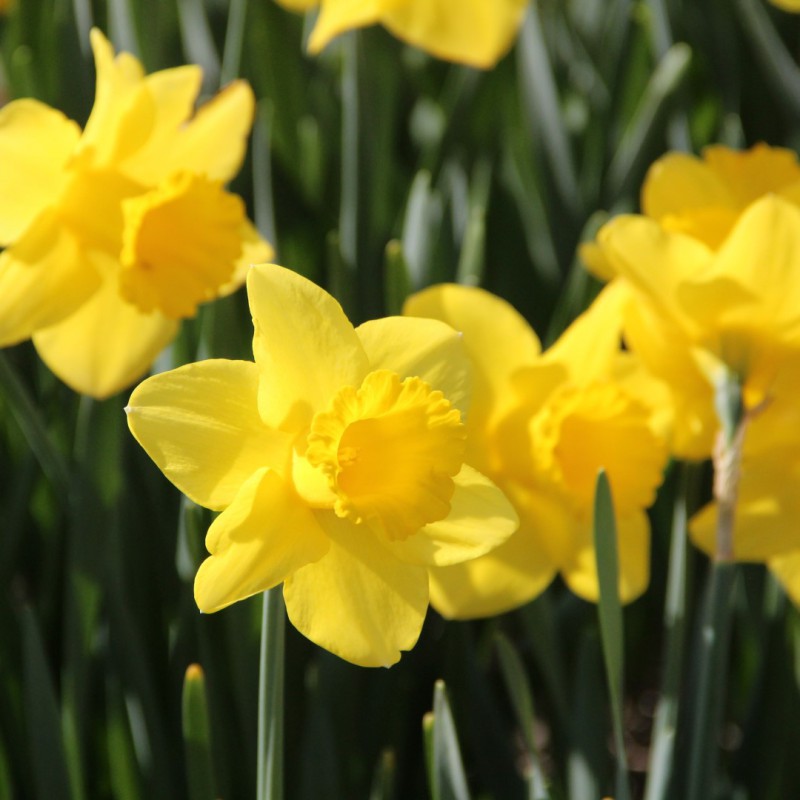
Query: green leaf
(448, 779)
(610, 612)
(522, 703)
(43, 720)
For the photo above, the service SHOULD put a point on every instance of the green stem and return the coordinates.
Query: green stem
(270, 698)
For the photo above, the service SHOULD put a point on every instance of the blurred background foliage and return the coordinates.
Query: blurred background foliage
(376, 170)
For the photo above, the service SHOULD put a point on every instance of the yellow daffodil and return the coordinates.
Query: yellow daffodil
(704, 197)
(541, 426)
(473, 32)
(114, 234)
(700, 315)
(337, 460)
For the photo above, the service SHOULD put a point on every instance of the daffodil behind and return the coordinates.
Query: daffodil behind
(116, 233)
(541, 426)
(473, 32)
(337, 460)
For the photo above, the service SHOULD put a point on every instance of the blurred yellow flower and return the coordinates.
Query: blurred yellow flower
(115, 233)
(337, 460)
(704, 197)
(473, 32)
(541, 426)
(699, 315)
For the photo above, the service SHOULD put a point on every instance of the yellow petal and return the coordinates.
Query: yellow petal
(588, 348)
(154, 122)
(684, 194)
(473, 32)
(304, 345)
(787, 5)
(423, 348)
(200, 425)
(118, 80)
(214, 141)
(511, 574)
(498, 341)
(633, 553)
(106, 344)
(43, 278)
(655, 261)
(666, 351)
(751, 174)
(358, 600)
(264, 536)
(481, 518)
(35, 143)
(759, 260)
(338, 16)
(180, 244)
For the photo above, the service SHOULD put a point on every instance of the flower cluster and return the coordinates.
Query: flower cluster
(712, 270)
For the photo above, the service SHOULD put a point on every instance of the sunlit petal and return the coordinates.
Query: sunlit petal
(35, 143)
(200, 425)
(304, 345)
(106, 344)
(257, 542)
(358, 600)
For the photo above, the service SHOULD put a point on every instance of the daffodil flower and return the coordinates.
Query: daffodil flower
(337, 460)
(473, 32)
(700, 314)
(114, 234)
(704, 197)
(541, 425)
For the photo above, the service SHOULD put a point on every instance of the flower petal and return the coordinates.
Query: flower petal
(588, 348)
(358, 600)
(655, 261)
(118, 80)
(200, 425)
(44, 277)
(633, 553)
(473, 32)
(214, 141)
(759, 259)
(340, 16)
(423, 348)
(481, 518)
(257, 542)
(106, 344)
(154, 121)
(513, 573)
(498, 341)
(35, 143)
(304, 345)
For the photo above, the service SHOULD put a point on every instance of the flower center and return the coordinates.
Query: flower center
(180, 244)
(389, 450)
(599, 426)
